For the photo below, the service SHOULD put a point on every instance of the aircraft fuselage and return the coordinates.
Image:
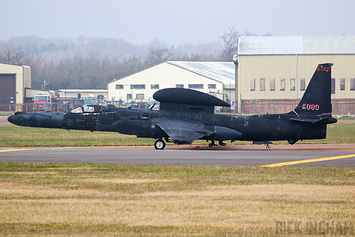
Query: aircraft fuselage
(139, 122)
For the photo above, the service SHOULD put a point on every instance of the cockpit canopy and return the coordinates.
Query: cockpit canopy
(87, 109)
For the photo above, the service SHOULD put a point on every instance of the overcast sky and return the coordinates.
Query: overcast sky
(174, 21)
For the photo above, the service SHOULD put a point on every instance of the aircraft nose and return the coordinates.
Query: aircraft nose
(11, 119)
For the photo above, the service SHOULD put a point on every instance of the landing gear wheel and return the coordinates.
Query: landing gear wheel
(159, 144)
(210, 145)
(198, 148)
(268, 147)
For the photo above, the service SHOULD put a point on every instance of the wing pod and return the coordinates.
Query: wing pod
(187, 96)
(186, 100)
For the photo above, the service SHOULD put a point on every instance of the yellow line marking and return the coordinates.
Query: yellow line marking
(21, 149)
(309, 161)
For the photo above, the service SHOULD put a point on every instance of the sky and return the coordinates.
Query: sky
(174, 22)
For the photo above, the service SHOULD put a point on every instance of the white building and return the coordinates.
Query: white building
(90, 96)
(217, 78)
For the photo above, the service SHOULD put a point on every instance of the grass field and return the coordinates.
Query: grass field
(16, 136)
(128, 200)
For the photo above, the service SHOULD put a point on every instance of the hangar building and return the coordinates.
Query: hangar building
(216, 78)
(273, 71)
(14, 79)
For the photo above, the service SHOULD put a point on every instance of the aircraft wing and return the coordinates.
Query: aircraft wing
(183, 132)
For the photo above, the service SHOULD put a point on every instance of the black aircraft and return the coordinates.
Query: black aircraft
(187, 115)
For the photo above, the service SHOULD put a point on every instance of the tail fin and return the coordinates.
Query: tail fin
(316, 99)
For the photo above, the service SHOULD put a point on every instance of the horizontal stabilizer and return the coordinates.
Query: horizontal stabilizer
(314, 120)
(308, 120)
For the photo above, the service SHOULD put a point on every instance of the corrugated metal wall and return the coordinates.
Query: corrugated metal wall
(7, 90)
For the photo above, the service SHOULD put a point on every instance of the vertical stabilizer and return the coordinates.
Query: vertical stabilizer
(316, 99)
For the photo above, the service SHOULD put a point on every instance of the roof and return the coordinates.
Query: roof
(265, 45)
(223, 72)
(82, 90)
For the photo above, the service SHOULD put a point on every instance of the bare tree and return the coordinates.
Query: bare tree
(230, 41)
(11, 54)
(93, 62)
(7, 53)
(157, 55)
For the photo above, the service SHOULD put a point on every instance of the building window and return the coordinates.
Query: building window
(179, 85)
(119, 86)
(282, 85)
(262, 84)
(292, 84)
(252, 84)
(352, 84)
(195, 86)
(211, 86)
(137, 86)
(332, 85)
(154, 86)
(302, 84)
(272, 84)
(342, 84)
(129, 96)
(140, 96)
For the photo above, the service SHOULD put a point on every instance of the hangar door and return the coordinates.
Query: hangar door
(7, 90)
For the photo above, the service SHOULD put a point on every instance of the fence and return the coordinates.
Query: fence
(248, 107)
(30, 107)
(284, 106)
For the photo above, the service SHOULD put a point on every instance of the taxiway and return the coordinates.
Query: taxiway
(233, 155)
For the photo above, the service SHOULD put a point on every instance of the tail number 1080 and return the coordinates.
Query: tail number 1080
(310, 106)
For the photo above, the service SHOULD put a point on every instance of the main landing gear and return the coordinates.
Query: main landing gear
(221, 143)
(267, 143)
(160, 145)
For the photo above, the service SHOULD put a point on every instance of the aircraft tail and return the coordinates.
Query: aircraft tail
(316, 99)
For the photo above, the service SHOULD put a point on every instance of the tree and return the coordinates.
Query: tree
(11, 54)
(230, 41)
(93, 62)
(157, 55)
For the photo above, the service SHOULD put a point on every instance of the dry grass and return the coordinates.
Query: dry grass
(125, 200)
(236, 209)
